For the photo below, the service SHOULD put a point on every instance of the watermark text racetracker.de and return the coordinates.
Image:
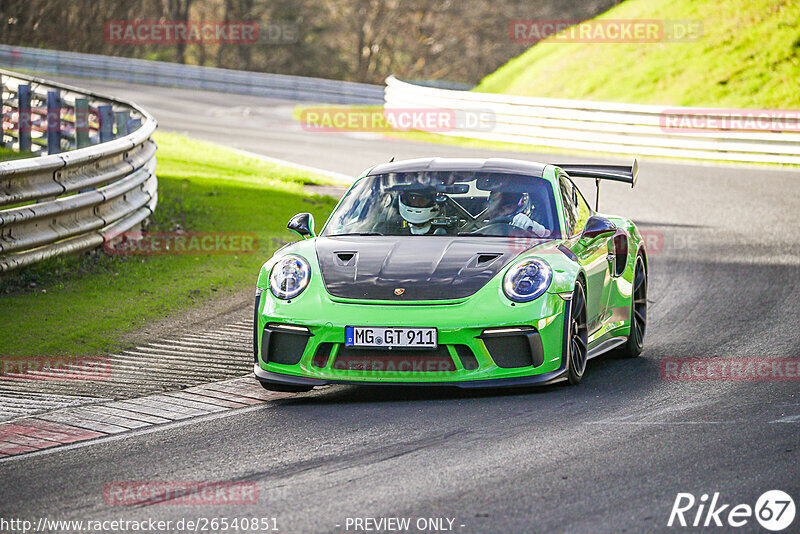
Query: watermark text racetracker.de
(136, 242)
(55, 368)
(136, 493)
(774, 510)
(605, 30)
(169, 32)
(404, 365)
(394, 119)
(730, 369)
(178, 526)
(719, 120)
(656, 242)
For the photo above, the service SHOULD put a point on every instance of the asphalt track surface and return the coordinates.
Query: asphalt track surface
(608, 455)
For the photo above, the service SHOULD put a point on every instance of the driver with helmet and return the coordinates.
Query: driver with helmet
(507, 207)
(418, 209)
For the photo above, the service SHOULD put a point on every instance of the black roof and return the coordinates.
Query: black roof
(501, 165)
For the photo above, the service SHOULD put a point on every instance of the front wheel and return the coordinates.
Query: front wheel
(633, 347)
(578, 336)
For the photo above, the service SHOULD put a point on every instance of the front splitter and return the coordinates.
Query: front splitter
(519, 381)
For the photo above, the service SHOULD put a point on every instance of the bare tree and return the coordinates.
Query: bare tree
(178, 11)
(361, 40)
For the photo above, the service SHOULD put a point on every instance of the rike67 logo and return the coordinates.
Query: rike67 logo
(774, 510)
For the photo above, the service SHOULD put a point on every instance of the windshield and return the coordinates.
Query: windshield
(447, 203)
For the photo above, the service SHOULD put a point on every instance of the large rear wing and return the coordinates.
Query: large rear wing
(616, 173)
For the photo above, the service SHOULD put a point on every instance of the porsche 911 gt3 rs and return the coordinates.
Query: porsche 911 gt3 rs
(462, 272)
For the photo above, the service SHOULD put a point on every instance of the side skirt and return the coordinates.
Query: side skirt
(605, 346)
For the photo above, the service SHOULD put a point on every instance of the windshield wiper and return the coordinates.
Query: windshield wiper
(463, 234)
(357, 233)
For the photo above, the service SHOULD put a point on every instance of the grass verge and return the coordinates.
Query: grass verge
(7, 154)
(87, 304)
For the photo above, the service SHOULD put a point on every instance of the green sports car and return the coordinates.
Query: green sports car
(457, 272)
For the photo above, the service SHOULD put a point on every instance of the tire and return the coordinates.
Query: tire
(578, 336)
(285, 388)
(633, 347)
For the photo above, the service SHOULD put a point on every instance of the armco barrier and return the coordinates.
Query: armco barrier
(75, 200)
(612, 127)
(190, 76)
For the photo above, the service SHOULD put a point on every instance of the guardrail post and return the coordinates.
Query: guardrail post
(105, 116)
(24, 117)
(53, 122)
(121, 120)
(82, 122)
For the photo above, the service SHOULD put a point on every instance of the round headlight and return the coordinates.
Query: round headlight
(289, 277)
(527, 280)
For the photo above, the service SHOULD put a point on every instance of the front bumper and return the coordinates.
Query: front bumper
(470, 358)
(528, 380)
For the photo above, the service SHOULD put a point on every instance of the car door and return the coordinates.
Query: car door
(593, 255)
(607, 243)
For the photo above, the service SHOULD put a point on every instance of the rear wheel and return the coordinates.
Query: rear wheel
(285, 388)
(577, 337)
(633, 347)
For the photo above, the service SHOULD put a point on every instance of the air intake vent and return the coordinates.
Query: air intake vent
(621, 251)
(345, 259)
(468, 359)
(322, 355)
(514, 347)
(282, 347)
(486, 259)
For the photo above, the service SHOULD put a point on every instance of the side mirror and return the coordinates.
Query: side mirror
(302, 224)
(598, 226)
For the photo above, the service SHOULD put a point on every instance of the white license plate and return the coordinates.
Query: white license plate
(390, 337)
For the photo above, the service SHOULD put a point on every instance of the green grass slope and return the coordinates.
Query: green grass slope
(748, 57)
(8, 154)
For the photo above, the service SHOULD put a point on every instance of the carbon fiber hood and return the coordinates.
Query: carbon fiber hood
(419, 268)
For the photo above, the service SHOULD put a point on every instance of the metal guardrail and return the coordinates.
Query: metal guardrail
(43, 119)
(190, 76)
(76, 200)
(610, 127)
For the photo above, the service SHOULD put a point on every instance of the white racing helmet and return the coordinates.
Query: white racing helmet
(418, 208)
